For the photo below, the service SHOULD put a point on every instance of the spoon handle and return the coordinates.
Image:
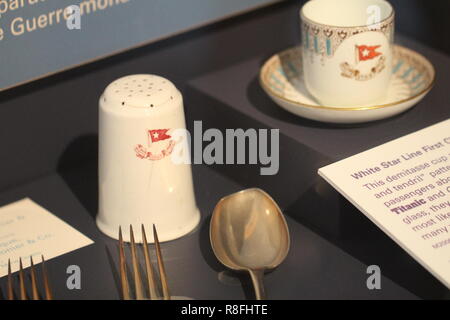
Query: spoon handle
(257, 279)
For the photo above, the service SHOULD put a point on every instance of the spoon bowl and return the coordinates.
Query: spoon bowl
(248, 232)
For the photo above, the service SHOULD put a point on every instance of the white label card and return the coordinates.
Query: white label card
(27, 229)
(403, 186)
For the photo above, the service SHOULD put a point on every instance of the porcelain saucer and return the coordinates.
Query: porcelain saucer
(281, 78)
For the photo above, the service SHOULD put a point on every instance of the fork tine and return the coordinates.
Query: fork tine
(34, 288)
(23, 293)
(137, 274)
(123, 269)
(10, 282)
(149, 267)
(162, 270)
(48, 291)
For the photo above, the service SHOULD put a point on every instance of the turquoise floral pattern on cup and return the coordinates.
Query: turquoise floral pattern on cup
(324, 40)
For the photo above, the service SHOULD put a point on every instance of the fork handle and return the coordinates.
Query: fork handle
(258, 283)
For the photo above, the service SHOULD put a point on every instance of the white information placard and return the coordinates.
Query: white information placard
(27, 229)
(403, 186)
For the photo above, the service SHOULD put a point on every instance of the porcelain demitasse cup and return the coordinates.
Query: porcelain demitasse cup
(347, 50)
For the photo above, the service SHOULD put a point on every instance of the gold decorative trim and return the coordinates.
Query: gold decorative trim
(262, 82)
(391, 16)
(325, 40)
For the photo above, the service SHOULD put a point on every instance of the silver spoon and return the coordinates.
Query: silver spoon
(248, 232)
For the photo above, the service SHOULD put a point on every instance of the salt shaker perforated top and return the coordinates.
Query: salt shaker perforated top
(139, 183)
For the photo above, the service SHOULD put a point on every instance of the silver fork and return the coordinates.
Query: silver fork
(150, 274)
(34, 286)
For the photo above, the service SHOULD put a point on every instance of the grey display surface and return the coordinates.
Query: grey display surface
(48, 138)
(306, 146)
(35, 40)
(313, 269)
(238, 86)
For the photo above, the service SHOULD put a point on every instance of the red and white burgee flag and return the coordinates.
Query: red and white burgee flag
(158, 135)
(365, 53)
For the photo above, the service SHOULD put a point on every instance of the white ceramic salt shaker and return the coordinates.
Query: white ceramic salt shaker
(139, 183)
